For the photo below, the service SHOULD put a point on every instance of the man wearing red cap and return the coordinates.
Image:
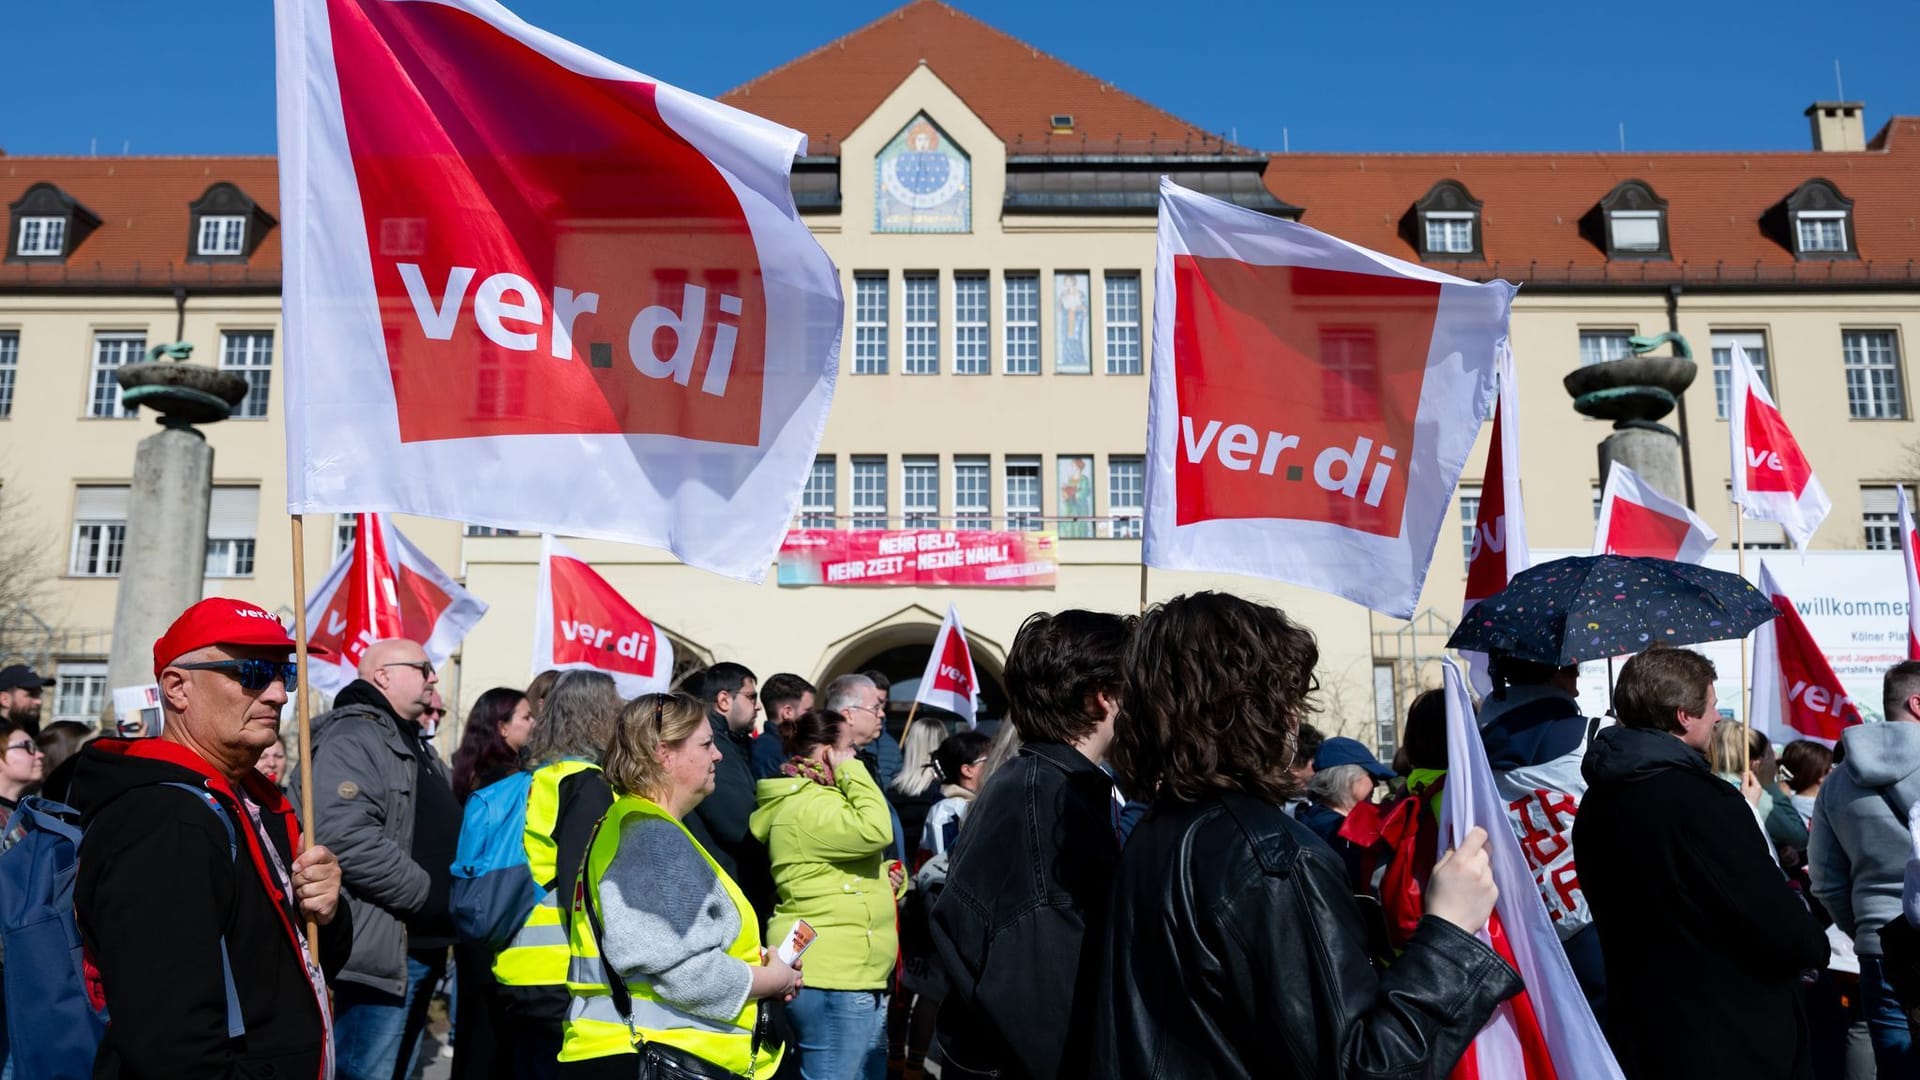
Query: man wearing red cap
(189, 918)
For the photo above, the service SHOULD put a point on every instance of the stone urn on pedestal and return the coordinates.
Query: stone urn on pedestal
(1635, 393)
(163, 565)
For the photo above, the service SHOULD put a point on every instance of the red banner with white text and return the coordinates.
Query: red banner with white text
(961, 557)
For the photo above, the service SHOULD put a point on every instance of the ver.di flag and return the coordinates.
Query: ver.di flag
(1796, 694)
(528, 287)
(1547, 1031)
(1499, 548)
(582, 623)
(949, 682)
(1313, 402)
(1636, 519)
(1771, 478)
(383, 587)
(1909, 543)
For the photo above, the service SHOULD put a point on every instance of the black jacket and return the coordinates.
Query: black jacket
(157, 888)
(1235, 949)
(720, 821)
(1027, 879)
(1703, 939)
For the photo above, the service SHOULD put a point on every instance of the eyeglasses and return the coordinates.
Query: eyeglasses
(877, 710)
(253, 675)
(29, 747)
(424, 667)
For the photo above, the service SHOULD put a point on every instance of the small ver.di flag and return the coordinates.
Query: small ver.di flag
(1771, 478)
(1313, 402)
(382, 587)
(1796, 694)
(1636, 519)
(582, 623)
(1909, 544)
(1499, 548)
(528, 287)
(949, 682)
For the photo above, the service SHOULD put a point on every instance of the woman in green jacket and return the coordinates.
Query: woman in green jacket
(825, 823)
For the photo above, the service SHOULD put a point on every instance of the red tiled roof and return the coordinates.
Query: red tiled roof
(142, 203)
(1533, 203)
(1012, 86)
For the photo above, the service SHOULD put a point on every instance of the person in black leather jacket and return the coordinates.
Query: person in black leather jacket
(1234, 947)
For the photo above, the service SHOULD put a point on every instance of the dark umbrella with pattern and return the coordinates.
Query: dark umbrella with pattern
(1587, 607)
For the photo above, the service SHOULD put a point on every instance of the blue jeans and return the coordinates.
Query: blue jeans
(375, 1034)
(840, 1034)
(1893, 1055)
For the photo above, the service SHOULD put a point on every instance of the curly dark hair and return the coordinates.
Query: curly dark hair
(483, 750)
(1215, 688)
(1058, 662)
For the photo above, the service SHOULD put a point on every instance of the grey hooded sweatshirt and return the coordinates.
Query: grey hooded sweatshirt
(1857, 851)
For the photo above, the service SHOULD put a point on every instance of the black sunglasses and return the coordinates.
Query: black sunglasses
(424, 667)
(253, 675)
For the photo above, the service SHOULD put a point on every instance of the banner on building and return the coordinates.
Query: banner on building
(949, 682)
(1796, 694)
(1313, 402)
(383, 587)
(582, 623)
(527, 287)
(979, 559)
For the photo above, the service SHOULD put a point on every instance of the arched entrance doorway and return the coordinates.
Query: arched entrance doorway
(898, 646)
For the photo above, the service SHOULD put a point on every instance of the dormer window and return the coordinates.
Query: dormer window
(1630, 223)
(1819, 222)
(1822, 230)
(1445, 224)
(46, 224)
(227, 226)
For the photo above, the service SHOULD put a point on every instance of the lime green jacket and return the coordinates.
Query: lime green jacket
(828, 846)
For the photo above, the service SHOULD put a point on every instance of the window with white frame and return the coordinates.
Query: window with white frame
(1469, 522)
(231, 521)
(1872, 360)
(345, 526)
(250, 352)
(42, 236)
(920, 491)
(1756, 535)
(1634, 230)
(1754, 344)
(223, 234)
(971, 341)
(489, 530)
(1880, 516)
(1023, 493)
(1023, 323)
(1599, 496)
(99, 531)
(870, 492)
(870, 303)
(1450, 232)
(80, 690)
(972, 492)
(9, 368)
(1822, 230)
(1123, 323)
(110, 351)
(920, 353)
(1600, 346)
(1126, 493)
(817, 499)
(1386, 712)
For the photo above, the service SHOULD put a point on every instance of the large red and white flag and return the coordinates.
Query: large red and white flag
(582, 623)
(383, 587)
(1499, 548)
(1547, 1031)
(1313, 402)
(1909, 544)
(1796, 695)
(1636, 519)
(949, 682)
(1771, 478)
(528, 287)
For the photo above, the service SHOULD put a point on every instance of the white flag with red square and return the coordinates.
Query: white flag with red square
(1771, 478)
(949, 682)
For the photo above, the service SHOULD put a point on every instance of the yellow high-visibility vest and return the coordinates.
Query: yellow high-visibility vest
(594, 1025)
(537, 955)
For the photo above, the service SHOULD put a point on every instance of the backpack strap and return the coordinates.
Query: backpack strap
(622, 997)
(236, 1023)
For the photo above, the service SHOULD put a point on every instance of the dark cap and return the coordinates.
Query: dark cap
(1345, 751)
(21, 677)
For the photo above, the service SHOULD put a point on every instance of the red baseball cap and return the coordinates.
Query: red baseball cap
(218, 620)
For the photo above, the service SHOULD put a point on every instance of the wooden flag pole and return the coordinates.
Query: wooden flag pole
(911, 709)
(1746, 690)
(300, 710)
(1143, 586)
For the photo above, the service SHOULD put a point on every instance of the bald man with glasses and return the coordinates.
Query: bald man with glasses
(384, 801)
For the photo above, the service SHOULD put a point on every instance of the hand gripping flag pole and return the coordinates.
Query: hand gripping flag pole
(301, 711)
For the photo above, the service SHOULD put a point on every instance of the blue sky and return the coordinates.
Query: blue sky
(196, 76)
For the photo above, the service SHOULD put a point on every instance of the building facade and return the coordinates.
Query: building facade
(992, 211)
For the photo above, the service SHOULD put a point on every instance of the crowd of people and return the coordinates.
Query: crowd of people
(1157, 866)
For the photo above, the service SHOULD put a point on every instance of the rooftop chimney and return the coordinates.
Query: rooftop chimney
(1838, 125)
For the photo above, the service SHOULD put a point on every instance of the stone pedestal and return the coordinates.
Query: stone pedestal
(1652, 451)
(163, 566)
(1635, 393)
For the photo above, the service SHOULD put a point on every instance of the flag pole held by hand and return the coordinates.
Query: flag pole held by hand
(300, 709)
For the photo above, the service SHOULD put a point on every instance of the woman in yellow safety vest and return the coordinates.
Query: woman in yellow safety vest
(563, 806)
(666, 956)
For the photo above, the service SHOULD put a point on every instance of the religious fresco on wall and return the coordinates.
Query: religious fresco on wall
(1076, 497)
(923, 183)
(1072, 322)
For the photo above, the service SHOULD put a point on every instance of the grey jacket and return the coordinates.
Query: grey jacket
(1857, 848)
(363, 800)
(669, 921)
